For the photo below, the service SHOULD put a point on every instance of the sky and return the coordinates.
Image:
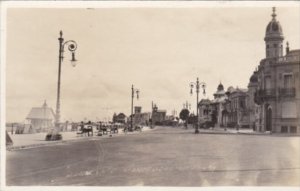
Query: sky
(158, 50)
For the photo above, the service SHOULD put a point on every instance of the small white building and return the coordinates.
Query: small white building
(41, 118)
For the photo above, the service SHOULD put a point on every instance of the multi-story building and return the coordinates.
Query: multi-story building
(228, 108)
(278, 84)
(236, 112)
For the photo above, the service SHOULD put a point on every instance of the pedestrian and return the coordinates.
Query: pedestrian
(81, 126)
(90, 128)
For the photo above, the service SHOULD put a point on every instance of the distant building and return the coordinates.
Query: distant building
(236, 112)
(140, 118)
(169, 117)
(278, 84)
(205, 110)
(228, 108)
(253, 108)
(217, 105)
(120, 118)
(41, 118)
(158, 116)
(137, 109)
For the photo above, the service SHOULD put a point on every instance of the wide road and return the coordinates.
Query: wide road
(164, 156)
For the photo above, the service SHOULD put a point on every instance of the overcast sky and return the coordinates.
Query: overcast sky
(159, 50)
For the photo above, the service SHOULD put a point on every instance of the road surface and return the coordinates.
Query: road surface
(164, 156)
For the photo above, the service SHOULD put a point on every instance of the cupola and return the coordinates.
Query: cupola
(274, 37)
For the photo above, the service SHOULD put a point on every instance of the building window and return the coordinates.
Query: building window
(288, 81)
(268, 82)
(284, 129)
(242, 103)
(293, 129)
(288, 109)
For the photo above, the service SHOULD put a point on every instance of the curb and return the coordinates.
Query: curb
(250, 133)
(48, 143)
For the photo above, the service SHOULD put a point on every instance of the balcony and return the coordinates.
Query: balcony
(287, 92)
(292, 58)
(267, 93)
(264, 94)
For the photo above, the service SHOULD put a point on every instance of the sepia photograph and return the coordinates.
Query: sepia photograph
(150, 95)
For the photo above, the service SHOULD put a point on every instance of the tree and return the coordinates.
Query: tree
(184, 115)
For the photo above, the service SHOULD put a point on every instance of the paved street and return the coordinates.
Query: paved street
(163, 157)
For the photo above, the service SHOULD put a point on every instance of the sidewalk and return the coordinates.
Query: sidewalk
(222, 130)
(24, 141)
(241, 131)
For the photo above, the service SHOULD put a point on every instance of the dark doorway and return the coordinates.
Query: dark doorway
(268, 119)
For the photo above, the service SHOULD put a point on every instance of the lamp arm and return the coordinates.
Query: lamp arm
(72, 45)
(202, 83)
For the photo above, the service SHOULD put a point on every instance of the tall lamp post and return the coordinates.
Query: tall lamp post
(133, 91)
(72, 46)
(197, 85)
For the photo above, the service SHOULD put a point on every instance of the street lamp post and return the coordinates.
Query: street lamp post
(197, 86)
(133, 91)
(72, 46)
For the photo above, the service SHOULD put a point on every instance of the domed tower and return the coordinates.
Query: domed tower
(220, 91)
(220, 87)
(274, 38)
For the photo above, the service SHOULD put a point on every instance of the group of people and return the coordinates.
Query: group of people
(103, 128)
(88, 128)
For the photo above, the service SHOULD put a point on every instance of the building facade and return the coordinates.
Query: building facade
(253, 107)
(278, 84)
(205, 111)
(236, 109)
(140, 118)
(228, 108)
(217, 105)
(120, 118)
(41, 118)
(158, 116)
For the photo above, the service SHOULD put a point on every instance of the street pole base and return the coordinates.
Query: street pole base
(196, 131)
(53, 137)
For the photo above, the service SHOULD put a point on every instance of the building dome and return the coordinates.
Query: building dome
(253, 78)
(274, 29)
(230, 89)
(220, 87)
